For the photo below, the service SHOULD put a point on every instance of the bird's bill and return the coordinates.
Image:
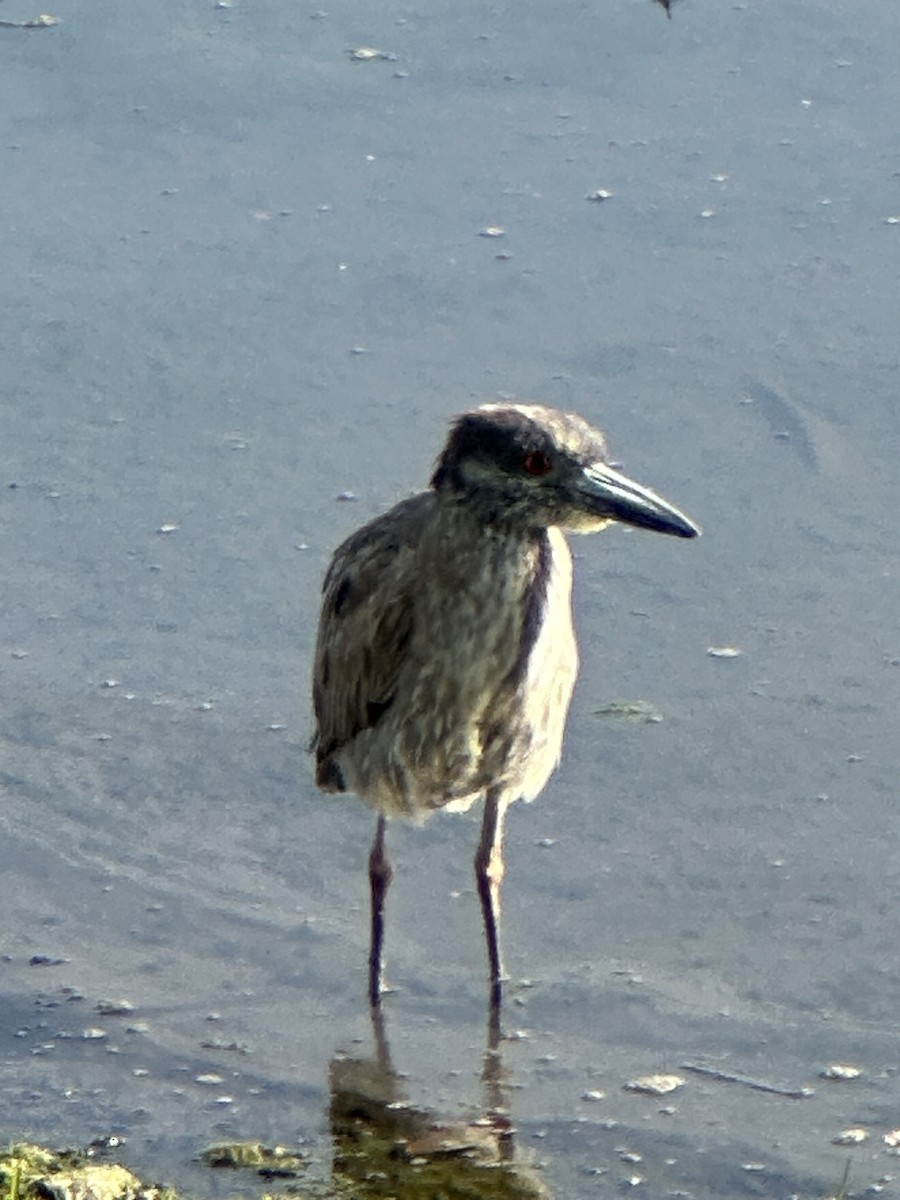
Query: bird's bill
(609, 495)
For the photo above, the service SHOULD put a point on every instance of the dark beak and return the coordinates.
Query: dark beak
(605, 492)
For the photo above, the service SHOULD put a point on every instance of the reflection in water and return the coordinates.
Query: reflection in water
(384, 1146)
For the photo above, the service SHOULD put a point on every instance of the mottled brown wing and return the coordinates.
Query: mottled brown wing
(364, 630)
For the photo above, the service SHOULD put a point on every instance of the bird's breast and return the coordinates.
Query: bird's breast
(490, 672)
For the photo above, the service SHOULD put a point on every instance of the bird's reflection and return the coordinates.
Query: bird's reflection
(384, 1145)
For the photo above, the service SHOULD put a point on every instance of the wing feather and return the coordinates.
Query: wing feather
(364, 630)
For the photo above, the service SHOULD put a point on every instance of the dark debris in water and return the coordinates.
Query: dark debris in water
(633, 712)
(758, 1085)
(270, 1162)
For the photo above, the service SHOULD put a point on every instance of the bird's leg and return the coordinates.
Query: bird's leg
(489, 875)
(496, 1082)
(380, 876)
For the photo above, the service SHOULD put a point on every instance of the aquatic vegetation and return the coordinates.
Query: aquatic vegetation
(29, 1172)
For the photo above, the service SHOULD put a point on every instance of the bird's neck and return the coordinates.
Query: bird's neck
(488, 518)
(490, 556)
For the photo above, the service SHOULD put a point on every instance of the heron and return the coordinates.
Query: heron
(446, 655)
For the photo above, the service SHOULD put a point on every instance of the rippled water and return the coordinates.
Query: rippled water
(242, 275)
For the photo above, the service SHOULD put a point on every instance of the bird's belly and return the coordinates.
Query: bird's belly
(495, 720)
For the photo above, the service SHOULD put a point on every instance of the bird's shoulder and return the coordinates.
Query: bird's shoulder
(385, 544)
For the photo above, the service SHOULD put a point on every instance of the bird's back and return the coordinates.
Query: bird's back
(445, 659)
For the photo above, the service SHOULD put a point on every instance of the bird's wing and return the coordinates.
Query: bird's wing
(364, 630)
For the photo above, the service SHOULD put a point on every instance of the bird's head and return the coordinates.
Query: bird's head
(534, 467)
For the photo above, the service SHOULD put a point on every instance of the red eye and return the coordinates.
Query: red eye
(538, 463)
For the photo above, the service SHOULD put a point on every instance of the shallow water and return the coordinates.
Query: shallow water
(242, 275)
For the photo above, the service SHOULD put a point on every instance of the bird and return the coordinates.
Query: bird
(445, 656)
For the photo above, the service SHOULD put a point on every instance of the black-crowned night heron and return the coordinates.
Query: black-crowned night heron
(446, 654)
